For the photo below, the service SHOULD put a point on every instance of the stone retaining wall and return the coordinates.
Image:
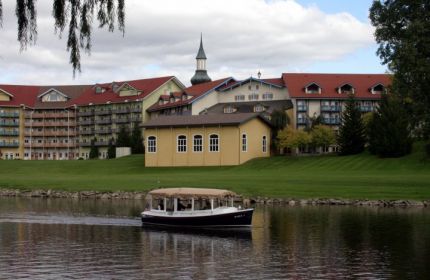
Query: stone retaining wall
(245, 201)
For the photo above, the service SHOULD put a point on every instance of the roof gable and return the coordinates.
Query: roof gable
(53, 95)
(270, 82)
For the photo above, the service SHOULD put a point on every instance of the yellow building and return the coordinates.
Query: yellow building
(206, 140)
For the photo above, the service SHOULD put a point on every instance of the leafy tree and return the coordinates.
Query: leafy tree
(279, 120)
(322, 136)
(123, 139)
(402, 32)
(351, 137)
(77, 15)
(111, 152)
(94, 150)
(389, 129)
(136, 140)
(292, 138)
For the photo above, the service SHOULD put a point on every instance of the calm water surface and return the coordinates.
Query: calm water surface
(59, 238)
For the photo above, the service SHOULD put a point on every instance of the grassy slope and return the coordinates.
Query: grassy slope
(361, 176)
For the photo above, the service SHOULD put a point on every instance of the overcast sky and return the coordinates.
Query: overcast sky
(162, 37)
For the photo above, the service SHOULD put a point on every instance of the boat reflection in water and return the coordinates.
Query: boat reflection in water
(194, 207)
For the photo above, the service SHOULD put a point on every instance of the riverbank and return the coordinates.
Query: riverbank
(360, 177)
(248, 201)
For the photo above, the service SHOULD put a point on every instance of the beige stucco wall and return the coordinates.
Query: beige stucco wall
(204, 102)
(314, 108)
(166, 88)
(4, 96)
(229, 153)
(228, 96)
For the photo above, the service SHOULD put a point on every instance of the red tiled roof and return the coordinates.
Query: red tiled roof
(194, 91)
(147, 86)
(329, 83)
(274, 81)
(26, 95)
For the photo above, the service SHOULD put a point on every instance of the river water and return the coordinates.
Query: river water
(94, 239)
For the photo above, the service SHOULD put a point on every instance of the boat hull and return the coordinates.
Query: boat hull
(242, 218)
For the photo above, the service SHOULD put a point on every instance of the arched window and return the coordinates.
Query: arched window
(182, 144)
(152, 144)
(213, 143)
(198, 143)
(264, 144)
(244, 143)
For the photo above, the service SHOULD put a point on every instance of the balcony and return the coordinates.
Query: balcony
(9, 133)
(302, 108)
(104, 121)
(330, 108)
(9, 114)
(86, 122)
(104, 131)
(9, 123)
(9, 144)
(85, 144)
(85, 113)
(136, 110)
(61, 123)
(101, 143)
(302, 121)
(331, 121)
(102, 112)
(121, 111)
(122, 120)
(366, 108)
(50, 145)
(87, 132)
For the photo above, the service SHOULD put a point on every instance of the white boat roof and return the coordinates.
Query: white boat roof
(191, 192)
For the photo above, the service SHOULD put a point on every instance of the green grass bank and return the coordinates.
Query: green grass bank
(361, 176)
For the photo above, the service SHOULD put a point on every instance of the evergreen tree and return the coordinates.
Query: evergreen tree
(94, 150)
(111, 152)
(351, 137)
(279, 121)
(389, 129)
(136, 140)
(123, 139)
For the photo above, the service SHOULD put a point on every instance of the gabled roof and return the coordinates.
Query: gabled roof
(275, 82)
(121, 86)
(147, 86)
(50, 90)
(196, 91)
(5, 92)
(203, 120)
(296, 82)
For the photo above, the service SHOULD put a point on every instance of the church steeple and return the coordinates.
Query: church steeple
(201, 75)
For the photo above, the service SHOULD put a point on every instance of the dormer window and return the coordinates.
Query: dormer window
(184, 97)
(99, 89)
(115, 87)
(53, 95)
(229, 109)
(160, 102)
(378, 89)
(346, 89)
(313, 88)
(259, 108)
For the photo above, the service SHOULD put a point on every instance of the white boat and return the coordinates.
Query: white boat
(195, 207)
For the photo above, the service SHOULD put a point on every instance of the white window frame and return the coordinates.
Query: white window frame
(152, 144)
(213, 147)
(201, 144)
(181, 147)
(268, 96)
(244, 142)
(253, 96)
(264, 143)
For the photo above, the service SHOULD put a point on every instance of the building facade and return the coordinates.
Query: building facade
(206, 140)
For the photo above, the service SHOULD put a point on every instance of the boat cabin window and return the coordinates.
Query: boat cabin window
(202, 204)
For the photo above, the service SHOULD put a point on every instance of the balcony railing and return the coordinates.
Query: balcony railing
(104, 131)
(302, 108)
(122, 120)
(333, 121)
(50, 145)
(104, 121)
(86, 122)
(8, 123)
(136, 110)
(101, 143)
(9, 144)
(366, 108)
(102, 112)
(330, 108)
(9, 114)
(121, 111)
(85, 144)
(301, 121)
(9, 133)
(85, 113)
(87, 132)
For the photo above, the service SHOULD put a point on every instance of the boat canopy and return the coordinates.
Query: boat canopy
(191, 193)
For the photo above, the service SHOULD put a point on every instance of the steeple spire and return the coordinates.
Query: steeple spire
(201, 75)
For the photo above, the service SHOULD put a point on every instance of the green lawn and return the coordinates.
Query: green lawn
(361, 176)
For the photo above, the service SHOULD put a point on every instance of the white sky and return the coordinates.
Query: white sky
(162, 38)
